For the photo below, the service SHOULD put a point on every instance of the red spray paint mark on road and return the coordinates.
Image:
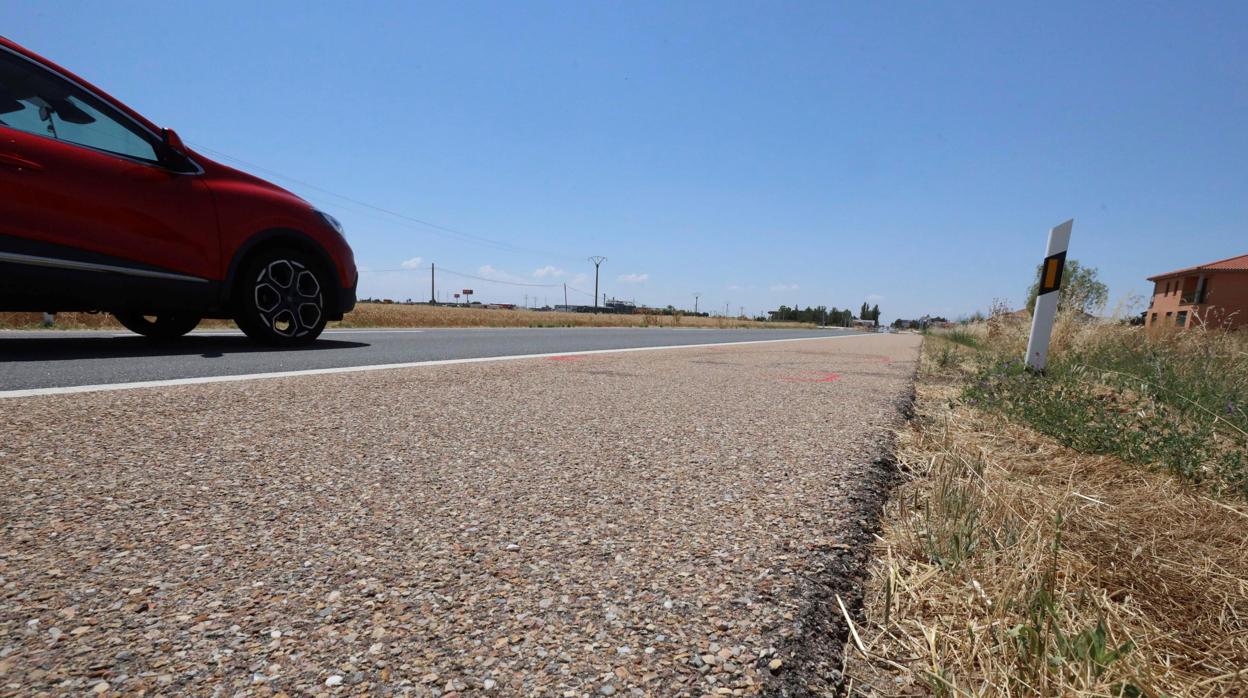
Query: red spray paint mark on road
(564, 358)
(813, 377)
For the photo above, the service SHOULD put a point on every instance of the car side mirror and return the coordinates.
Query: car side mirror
(172, 141)
(175, 156)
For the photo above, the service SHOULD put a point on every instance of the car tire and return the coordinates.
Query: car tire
(281, 298)
(161, 327)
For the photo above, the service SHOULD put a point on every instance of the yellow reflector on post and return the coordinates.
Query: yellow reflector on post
(1051, 279)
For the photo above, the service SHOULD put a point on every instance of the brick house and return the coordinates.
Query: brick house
(1215, 294)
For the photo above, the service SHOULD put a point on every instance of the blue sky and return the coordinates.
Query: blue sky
(759, 153)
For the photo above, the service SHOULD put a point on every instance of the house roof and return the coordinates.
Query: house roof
(1239, 263)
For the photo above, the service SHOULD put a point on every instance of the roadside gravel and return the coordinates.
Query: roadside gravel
(614, 524)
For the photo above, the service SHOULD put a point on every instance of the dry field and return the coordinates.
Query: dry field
(388, 315)
(1012, 565)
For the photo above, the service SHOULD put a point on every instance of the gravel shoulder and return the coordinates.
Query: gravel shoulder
(657, 523)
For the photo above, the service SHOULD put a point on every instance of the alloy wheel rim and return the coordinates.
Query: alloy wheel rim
(288, 298)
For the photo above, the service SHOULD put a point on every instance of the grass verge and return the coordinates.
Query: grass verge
(1024, 557)
(393, 315)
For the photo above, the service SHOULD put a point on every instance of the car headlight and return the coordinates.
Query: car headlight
(333, 223)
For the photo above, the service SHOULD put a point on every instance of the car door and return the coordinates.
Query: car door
(80, 180)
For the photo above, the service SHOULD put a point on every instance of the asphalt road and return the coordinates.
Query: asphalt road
(52, 359)
(672, 523)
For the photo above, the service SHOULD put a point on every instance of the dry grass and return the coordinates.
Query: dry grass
(390, 315)
(1010, 565)
(385, 315)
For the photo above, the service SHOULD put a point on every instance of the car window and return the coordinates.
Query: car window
(37, 101)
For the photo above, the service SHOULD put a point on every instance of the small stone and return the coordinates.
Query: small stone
(512, 547)
(334, 680)
(334, 596)
(774, 664)
(607, 690)
(101, 687)
(489, 684)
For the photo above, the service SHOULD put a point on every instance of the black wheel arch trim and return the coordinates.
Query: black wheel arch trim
(288, 236)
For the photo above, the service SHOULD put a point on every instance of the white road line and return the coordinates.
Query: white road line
(33, 392)
(112, 334)
(238, 334)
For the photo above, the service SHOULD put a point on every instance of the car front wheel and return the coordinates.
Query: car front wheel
(281, 298)
(159, 327)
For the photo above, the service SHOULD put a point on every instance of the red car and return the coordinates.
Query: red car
(101, 210)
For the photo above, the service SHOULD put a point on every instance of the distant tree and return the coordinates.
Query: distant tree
(1082, 289)
(875, 313)
(833, 317)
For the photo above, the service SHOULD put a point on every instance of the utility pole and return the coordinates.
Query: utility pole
(725, 308)
(696, 296)
(565, 296)
(433, 293)
(597, 260)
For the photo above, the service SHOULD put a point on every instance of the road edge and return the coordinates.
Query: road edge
(813, 658)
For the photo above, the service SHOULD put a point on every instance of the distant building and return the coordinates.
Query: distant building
(616, 305)
(1214, 294)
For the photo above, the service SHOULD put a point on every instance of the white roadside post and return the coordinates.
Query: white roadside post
(1046, 303)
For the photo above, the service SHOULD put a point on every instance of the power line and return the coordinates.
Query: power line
(469, 237)
(452, 272)
(473, 276)
(409, 220)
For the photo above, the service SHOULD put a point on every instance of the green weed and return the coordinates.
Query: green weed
(1177, 404)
